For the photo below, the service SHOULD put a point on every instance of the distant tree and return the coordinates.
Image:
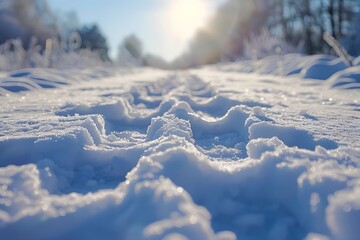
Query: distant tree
(68, 23)
(155, 61)
(131, 51)
(351, 38)
(339, 11)
(93, 39)
(307, 20)
(133, 44)
(223, 37)
(25, 19)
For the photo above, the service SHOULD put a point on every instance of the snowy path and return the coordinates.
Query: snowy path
(204, 154)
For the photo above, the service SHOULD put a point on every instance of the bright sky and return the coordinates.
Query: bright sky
(164, 26)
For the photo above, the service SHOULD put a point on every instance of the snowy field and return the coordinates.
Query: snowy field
(247, 150)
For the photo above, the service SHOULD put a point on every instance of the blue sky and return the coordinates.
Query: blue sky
(164, 26)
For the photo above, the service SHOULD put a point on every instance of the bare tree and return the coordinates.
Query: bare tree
(311, 19)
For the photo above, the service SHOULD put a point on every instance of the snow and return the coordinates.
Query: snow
(244, 150)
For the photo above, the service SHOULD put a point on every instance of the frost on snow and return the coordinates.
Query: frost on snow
(212, 153)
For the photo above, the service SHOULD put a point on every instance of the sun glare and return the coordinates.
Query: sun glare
(186, 16)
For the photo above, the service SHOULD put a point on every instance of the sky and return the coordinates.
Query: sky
(164, 26)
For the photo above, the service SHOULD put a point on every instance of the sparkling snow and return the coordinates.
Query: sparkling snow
(245, 150)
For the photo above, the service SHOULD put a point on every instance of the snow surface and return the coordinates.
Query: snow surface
(245, 150)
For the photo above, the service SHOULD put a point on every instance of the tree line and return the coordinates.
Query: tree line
(295, 23)
(308, 20)
(27, 20)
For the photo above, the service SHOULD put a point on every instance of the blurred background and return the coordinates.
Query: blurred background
(170, 34)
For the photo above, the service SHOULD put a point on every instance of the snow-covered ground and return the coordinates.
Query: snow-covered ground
(246, 150)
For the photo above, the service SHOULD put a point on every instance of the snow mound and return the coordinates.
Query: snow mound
(318, 67)
(35, 79)
(322, 70)
(346, 79)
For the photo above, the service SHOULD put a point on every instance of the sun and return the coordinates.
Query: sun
(186, 16)
(177, 23)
